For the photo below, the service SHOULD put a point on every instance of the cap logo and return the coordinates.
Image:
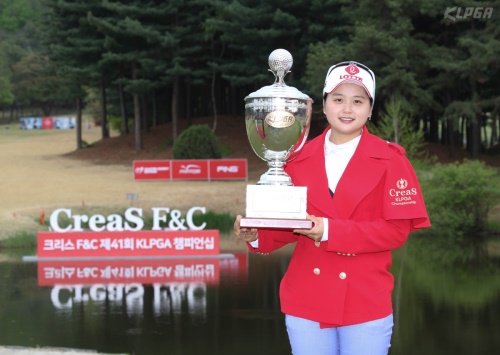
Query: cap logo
(352, 69)
(350, 77)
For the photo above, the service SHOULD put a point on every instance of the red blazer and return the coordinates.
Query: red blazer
(377, 203)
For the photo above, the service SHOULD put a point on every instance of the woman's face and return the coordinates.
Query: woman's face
(347, 109)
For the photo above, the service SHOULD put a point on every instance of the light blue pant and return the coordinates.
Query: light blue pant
(370, 338)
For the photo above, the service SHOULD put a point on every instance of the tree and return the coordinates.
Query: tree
(6, 95)
(15, 14)
(189, 55)
(38, 83)
(383, 41)
(396, 125)
(76, 48)
(137, 38)
(250, 30)
(18, 38)
(180, 58)
(461, 63)
(441, 71)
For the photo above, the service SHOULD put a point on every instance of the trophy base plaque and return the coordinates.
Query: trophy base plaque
(276, 206)
(275, 223)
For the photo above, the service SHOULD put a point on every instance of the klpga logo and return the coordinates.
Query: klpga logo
(459, 13)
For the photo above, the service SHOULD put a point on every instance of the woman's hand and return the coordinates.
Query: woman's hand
(244, 234)
(316, 232)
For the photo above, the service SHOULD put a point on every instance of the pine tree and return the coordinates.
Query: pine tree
(396, 125)
(75, 47)
(135, 37)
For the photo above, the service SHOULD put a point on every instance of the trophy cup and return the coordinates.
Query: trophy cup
(277, 121)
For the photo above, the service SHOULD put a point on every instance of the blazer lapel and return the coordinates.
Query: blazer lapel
(362, 174)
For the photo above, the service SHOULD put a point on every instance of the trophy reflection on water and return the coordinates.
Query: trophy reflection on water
(277, 121)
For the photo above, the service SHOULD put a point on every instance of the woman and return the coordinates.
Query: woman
(364, 199)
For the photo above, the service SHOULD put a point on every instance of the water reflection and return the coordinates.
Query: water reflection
(443, 307)
(174, 306)
(226, 306)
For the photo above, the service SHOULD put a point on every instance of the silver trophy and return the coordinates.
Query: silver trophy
(277, 121)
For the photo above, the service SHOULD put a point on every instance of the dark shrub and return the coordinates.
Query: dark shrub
(196, 142)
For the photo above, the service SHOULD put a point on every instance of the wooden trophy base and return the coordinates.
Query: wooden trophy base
(275, 223)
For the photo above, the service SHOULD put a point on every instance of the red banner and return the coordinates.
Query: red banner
(228, 169)
(191, 169)
(89, 272)
(47, 123)
(145, 272)
(152, 170)
(142, 243)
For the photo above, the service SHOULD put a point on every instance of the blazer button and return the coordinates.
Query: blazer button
(316, 271)
(342, 275)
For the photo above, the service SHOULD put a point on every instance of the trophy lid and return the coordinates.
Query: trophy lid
(280, 62)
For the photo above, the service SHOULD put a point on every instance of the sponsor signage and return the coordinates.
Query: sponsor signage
(191, 169)
(152, 170)
(47, 122)
(132, 220)
(172, 235)
(176, 297)
(228, 169)
(31, 123)
(140, 243)
(145, 272)
(64, 122)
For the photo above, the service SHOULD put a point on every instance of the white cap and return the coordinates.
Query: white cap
(353, 73)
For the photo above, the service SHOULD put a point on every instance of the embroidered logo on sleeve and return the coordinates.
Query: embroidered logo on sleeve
(402, 194)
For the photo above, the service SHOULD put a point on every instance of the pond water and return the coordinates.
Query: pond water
(226, 305)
